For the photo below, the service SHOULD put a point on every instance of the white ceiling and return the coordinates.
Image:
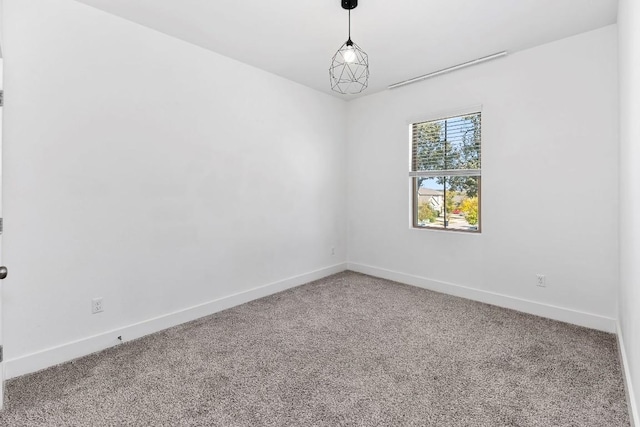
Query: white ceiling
(404, 39)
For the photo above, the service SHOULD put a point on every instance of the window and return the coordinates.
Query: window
(445, 173)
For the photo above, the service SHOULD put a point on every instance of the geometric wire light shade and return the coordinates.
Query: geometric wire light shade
(349, 71)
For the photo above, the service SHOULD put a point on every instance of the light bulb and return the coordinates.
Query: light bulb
(349, 54)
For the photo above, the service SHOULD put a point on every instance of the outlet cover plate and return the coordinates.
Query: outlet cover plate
(97, 305)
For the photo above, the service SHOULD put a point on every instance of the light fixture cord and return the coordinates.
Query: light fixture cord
(349, 24)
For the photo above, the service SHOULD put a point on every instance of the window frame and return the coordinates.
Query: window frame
(443, 115)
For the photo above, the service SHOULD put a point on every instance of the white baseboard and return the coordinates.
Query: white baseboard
(588, 320)
(631, 399)
(63, 353)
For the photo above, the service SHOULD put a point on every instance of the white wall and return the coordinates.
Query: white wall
(629, 68)
(154, 174)
(549, 185)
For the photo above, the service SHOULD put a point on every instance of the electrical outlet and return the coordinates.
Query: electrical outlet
(97, 305)
(541, 280)
(333, 251)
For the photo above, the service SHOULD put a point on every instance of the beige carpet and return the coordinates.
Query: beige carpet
(348, 350)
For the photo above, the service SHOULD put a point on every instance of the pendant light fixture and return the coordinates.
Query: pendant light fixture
(349, 72)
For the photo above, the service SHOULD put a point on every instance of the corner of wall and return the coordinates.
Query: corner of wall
(628, 384)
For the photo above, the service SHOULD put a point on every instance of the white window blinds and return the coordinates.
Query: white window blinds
(447, 147)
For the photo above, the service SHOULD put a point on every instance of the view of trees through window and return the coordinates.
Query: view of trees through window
(446, 171)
